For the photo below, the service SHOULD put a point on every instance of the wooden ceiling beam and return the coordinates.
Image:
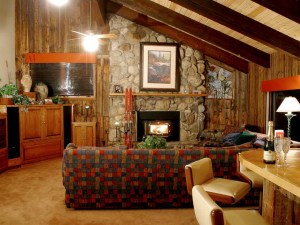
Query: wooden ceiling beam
(242, 24)
(102, 9)
(197, 30)
(179, 36)
(287, 8)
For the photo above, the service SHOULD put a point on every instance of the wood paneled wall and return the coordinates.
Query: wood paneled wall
(43, 28)
(282, 65)
(232, 112)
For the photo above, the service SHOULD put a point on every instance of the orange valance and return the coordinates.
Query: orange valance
(281, 84)
(60, 57)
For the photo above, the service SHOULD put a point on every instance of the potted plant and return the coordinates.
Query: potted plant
(57, 100)
(22, 100)
(153, 142)
(8, 90)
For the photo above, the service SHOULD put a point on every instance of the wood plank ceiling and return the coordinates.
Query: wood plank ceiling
(231, 31)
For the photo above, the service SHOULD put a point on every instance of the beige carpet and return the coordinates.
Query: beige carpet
(34, 195)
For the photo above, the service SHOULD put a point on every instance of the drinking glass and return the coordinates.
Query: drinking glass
(286, 148)
(278, 143)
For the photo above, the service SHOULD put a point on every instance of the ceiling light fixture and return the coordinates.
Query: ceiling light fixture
(58, 2)
(90, 43)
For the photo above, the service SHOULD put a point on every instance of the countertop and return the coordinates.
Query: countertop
(287, 177)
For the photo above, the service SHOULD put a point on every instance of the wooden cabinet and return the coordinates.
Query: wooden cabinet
(84, 133)
(3, 143)
(41, 123)
(37, 133)
(41, 132)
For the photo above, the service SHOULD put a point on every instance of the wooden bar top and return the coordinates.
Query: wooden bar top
(287, 178)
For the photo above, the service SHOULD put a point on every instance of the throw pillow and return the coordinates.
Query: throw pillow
(231, 137)
(245, 137)
(258, 143)
(259, 136)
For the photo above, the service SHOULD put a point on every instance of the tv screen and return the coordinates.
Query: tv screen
(65, 79)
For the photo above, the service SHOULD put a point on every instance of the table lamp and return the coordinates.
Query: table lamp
(289, 105)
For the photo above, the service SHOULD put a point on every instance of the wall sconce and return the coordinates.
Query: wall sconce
(289, 105)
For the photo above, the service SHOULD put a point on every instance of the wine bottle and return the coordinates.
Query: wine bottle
(269, 152)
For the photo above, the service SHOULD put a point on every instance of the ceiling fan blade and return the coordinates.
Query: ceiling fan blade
(105, 36)
(72, 39)
(79, 33)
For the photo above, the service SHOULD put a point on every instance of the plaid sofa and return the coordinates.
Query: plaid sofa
(96, 177)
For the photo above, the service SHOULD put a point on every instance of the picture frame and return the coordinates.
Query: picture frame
(220, 81)
(48, 101)
(118, 88)
(159, 67)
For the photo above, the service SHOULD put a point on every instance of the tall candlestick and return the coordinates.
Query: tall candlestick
(126, 102)
(130, 99)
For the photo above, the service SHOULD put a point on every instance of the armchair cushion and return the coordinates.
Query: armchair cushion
(236, 189)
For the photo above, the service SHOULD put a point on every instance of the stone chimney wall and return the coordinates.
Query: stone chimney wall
(125, 71)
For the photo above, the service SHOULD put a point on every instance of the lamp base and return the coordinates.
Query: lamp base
(289, 117)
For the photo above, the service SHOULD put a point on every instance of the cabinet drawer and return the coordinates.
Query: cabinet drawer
(42, 149)
(3, 159)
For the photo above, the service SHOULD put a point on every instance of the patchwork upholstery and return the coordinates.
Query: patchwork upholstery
(95, 177)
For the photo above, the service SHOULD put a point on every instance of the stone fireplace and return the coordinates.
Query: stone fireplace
(125, 71)
(160, 123)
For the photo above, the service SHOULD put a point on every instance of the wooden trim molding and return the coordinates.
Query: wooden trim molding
(60, 57)
(281, 84)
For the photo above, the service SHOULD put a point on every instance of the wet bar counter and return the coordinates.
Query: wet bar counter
(281, 194)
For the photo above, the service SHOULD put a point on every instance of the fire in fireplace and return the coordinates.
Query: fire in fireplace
(160, 128)
(161, 123)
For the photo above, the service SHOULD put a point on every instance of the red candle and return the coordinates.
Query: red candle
(126, 103)
(130, 99)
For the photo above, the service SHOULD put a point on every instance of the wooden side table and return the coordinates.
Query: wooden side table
(84, 133)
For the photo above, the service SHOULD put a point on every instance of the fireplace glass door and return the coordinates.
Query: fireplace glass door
(161, 123)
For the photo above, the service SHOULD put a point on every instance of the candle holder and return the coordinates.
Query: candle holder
(117, 127)
(87, 107)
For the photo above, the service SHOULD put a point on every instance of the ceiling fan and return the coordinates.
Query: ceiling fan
(91, 34)
(90, 39)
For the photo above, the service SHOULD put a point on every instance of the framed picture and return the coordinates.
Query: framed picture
(219, 82)
(159, 67)
(48, 101)
(118, 88)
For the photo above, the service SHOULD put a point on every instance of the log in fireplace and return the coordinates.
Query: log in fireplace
(161, 123)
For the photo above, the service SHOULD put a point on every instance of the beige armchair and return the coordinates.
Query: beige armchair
(207, 212)
(223, 190)
(255, 180)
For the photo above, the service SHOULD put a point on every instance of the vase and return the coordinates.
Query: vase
(41, 91)
(26, 82)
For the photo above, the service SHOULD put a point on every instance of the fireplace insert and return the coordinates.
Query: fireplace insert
(160, 123)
